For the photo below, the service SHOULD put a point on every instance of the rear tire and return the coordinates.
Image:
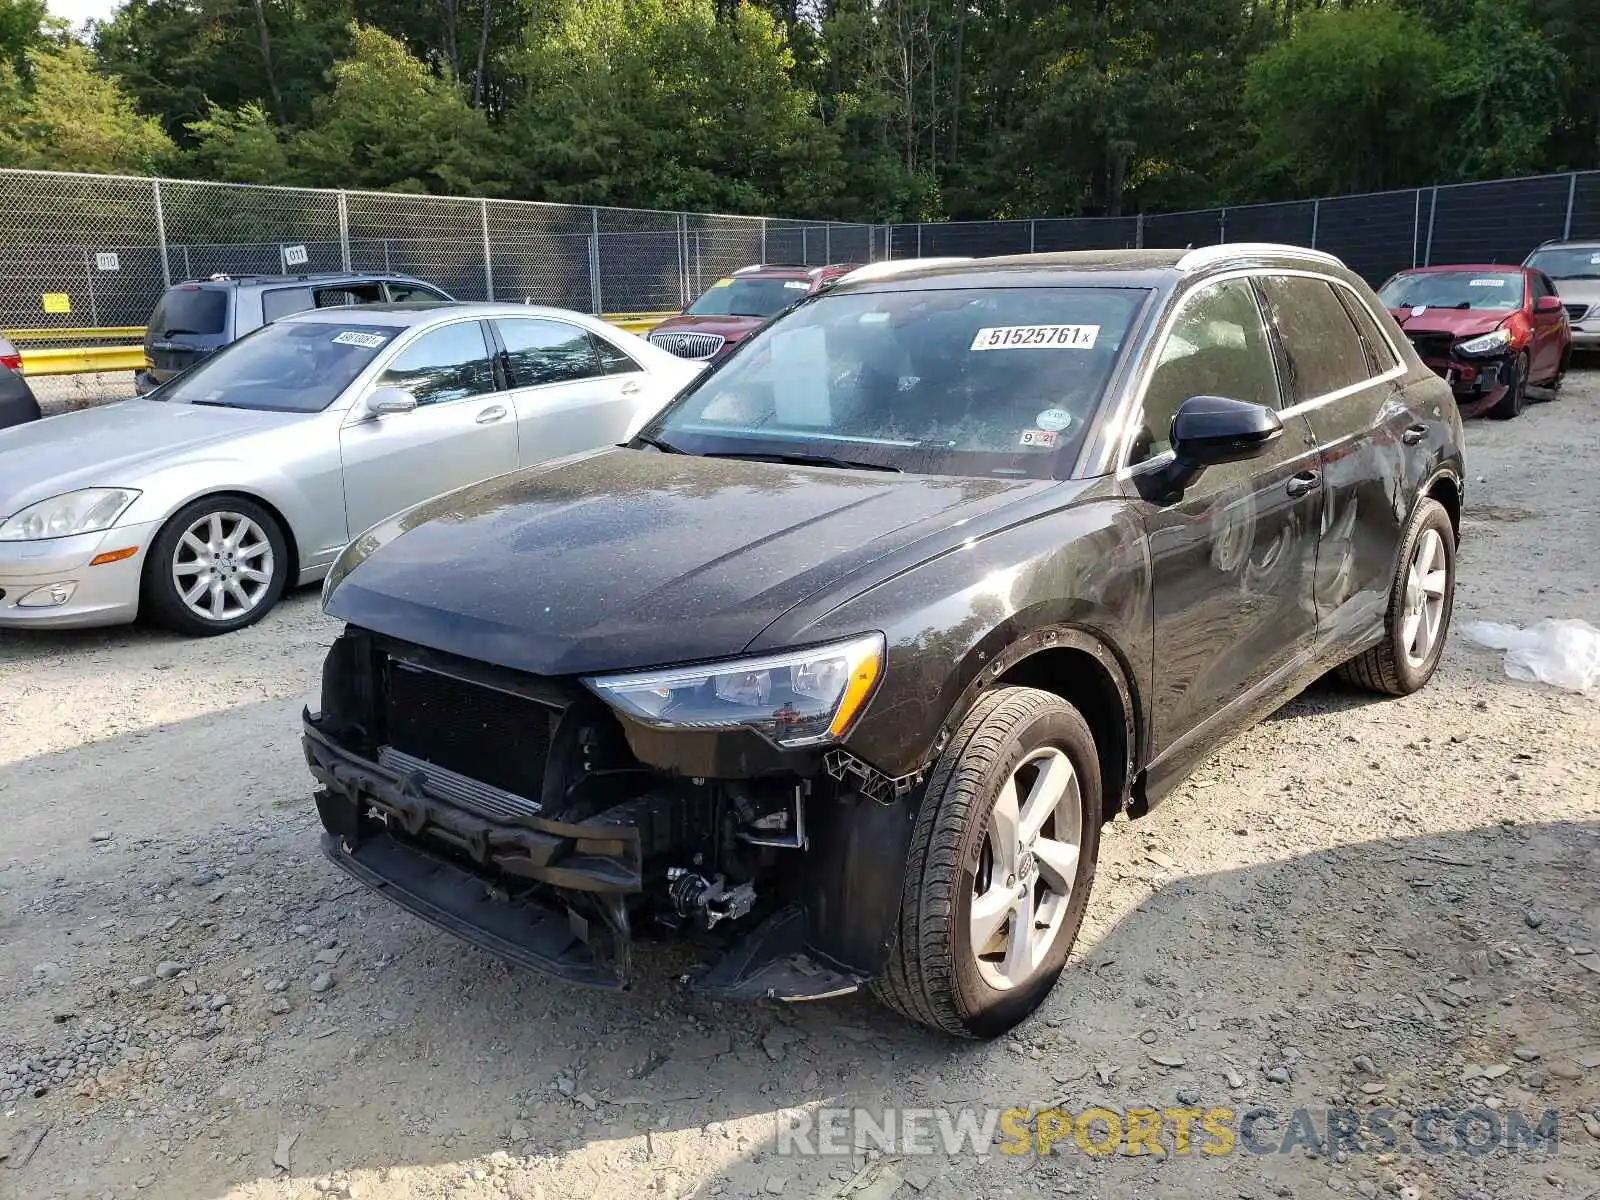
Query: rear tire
(1395, 667)
(233, 559)
(1025, 743)
(1516, 398)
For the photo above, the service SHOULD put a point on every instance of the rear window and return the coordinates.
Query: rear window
(749, 297)
(196, 311)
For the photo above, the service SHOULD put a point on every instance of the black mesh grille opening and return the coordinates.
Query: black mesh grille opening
(1432, 345)
(487, 735)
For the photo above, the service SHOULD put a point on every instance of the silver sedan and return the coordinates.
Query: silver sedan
(198, 505)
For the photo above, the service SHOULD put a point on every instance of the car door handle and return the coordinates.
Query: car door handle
(631, 388)
(493, 413)
(1306, 481)
(1414, 435)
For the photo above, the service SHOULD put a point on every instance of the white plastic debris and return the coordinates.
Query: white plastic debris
(1564, 654)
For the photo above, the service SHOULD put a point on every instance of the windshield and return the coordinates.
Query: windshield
(189, 309)
(1493, 291)
(1568, 262)
(992, 381)
(288, 367)
(748, 297)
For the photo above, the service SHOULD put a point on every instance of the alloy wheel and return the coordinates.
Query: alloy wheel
(1427, 580)
(223, 565)
(1026, 868)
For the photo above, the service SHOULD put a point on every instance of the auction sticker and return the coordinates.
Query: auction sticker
(1037, 437)
(352, 337)
(1053, 419)
(798, 285)
(1036, 337)
(1486, 283)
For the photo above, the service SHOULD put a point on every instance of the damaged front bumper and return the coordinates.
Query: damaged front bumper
(559, 897)
(1477, 382)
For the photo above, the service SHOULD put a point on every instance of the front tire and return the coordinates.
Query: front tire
(1421, 600)
(219, 564)
(1002, 859)
(1516, 398)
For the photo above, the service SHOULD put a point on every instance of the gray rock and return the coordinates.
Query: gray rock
(48, 972)
(167, 969)
(100, 835)
(202, 877)
(1189, 1095)
(279, 1005)
(1534, 918)
(322, 982)
(1364, 1065)
(1278, 1075)
(1526, 1053)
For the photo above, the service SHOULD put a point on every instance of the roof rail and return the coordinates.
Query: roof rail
(770, 267)
(1208, 255)
(897, 266)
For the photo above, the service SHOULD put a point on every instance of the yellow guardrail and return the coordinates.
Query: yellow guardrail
(78, 360)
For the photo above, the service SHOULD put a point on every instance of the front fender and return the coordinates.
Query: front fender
(1076, 577)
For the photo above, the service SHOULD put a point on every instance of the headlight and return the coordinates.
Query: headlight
(1489, 343)
(88, 511)
(800, 698)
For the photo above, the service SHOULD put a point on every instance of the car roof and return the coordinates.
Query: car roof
(226, 280)
(1482, 268)
(788, 270)
(420, 313)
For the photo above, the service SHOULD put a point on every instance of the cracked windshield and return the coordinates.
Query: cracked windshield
(997, 381)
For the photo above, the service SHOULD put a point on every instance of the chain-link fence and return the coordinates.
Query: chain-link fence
(1377, 234)
(84, 252)
(95, 251)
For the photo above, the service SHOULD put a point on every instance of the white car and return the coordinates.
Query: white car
(198, 505)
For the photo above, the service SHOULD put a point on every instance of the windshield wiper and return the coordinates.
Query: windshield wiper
(212, 404)
(657, 443)
(803, 460)
(166, 333)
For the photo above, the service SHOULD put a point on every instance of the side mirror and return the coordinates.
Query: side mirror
(1547, 304)
(1208, 431)
(390, 401)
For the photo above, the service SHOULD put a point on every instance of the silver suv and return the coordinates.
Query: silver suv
(1575, 268)
(193, 320)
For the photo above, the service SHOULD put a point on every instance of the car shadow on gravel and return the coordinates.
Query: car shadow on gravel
(252, 998)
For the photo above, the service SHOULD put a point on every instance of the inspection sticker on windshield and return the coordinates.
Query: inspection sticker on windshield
(1486, 283)
(1037, 437)
(353, 337)
(1053, 419)
(1037, 337)
(798, 285)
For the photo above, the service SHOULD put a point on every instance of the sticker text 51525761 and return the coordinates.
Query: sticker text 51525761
(1036, 337)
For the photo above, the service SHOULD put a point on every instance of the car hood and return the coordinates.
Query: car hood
(114, 445)
(732, 328)
(629, 558)
(1578, 291)
(1457, 322)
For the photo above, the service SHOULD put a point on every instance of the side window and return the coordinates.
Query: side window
(546, 352)
(613, 359)
(443, 365)
(1325, 351)
(346, 294)
(281, 302)
(413, 293)
(1218, 346)
(1380, 354)
(1542, 286)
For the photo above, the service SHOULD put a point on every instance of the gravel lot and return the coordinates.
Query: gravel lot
(1361, 904)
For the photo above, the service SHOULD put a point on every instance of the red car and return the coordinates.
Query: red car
(1491, 331)
(734, 308)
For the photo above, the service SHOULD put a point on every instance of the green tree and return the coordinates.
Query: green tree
(241, 145)
(660, 103)
(389, 122)
(22, 28)
(1353, 101)
(67, 117)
